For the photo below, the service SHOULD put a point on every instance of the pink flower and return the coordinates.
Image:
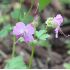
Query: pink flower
(57, 20)
(25, 31)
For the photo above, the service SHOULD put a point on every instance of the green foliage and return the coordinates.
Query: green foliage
(21, 15)
(16, 14)
(34, 43)
(43, 4)
(68, 52)
(4, 8)
(65, 1)
(16, 63)
(68, 43)
(21, 39)
(6, 1)
(67, 65)
(1, 19)
(21, 1)
(27, 19)
(42, 43)
(6, 29)
(66, 22)
(4, 18)
(41, 34)
(44, 36)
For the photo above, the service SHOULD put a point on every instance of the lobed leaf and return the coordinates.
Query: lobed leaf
(15, 63)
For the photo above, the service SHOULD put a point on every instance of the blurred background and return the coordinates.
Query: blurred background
(13, 11)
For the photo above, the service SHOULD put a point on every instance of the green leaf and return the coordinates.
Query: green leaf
(65, 2)
(21, 39)
(6, 29)
(3, 33)
(43, 4)
(18, 13)
(68, 52)
(27, 19)
(21, 1)
(21, 15)
(39, 33)
(15, 63)
(42, 32)
(15, 14)
(1, 19)
(4, 18)
(38, 43)
(6, 1)
(44, 36)
(67, 65)
(68, 43)
(34, 43)
(43, 43)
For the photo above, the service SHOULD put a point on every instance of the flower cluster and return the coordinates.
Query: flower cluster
(26, 31)
(55, 23)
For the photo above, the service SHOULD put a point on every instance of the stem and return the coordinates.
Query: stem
(13, 49)
(63, 33)
(31, 57)
(48, 60)
(29, 9)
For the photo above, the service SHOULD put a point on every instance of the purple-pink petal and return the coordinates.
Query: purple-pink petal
(19, 28)
(58, 19)
(30, 29)
(20, 24)
(25, 31)
(28, 38)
